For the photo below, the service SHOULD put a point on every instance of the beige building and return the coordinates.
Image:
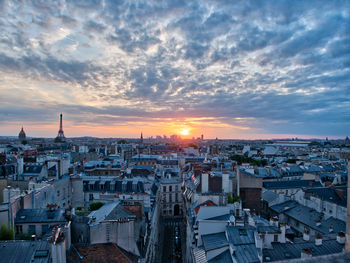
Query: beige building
(171, 196)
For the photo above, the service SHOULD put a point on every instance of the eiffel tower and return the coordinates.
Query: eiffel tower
(60, 135)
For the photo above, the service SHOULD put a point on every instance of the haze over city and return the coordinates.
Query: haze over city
(226, 69)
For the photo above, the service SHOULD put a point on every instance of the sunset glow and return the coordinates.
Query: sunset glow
(185, 132)
(195, 67)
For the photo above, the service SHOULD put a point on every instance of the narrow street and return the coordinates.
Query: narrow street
(174, 238)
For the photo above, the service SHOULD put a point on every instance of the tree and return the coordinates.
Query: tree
(122, 141)
(95, 206)
(6, 233)
(229, 198)
(58, 140)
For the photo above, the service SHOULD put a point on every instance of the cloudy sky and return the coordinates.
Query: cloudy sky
(226, 69)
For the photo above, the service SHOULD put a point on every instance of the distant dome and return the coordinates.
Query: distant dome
(22, 135)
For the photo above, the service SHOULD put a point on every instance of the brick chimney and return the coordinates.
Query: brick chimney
(306, 253)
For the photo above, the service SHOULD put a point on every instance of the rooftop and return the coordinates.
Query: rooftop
(40, 215)
(214, 241)
(284, 251)
(100, 253)
(25, 251)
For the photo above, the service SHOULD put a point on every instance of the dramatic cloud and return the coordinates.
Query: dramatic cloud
(227, 69)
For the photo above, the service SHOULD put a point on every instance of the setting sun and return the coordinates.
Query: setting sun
(185, 132)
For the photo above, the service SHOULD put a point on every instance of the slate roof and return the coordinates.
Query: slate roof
(274, 172)
(290, 184)
(246, 254)
(309, 217)
(225, 217)
(283, 251)
(110, 211)
(329, 194)
(214, 241)
(313, 169)
(25, 251)
(33, 170)
(39, 215)
(268, 229)
(104, 211)
(224, 257)
(269, 196)
(279, 208)
(119, 213)
(240, 235)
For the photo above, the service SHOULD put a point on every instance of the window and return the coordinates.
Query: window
(41, 254)
(19, 229)
(31, 229)
(91, 187)
(44, 229)
(58, 193)
(176, 198)
(243, 232)
(91, 197)
(170, 188)
(164, 188)
(176, 188)
(170, 198)
(275, 238)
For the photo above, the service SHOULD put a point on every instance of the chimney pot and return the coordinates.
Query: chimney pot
(306, 253)
(318, 240)
(341, 238)
(306, 236)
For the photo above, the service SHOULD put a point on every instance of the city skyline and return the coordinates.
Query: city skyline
(245, 70)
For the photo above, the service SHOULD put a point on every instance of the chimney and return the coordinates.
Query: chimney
(318, 240)
(274, 221)
(306, 235)
(306, 253)
(283, 233)
(341, 238)
(58, 246)
(204, 182)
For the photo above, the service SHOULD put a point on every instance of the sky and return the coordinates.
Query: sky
(226, 69)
